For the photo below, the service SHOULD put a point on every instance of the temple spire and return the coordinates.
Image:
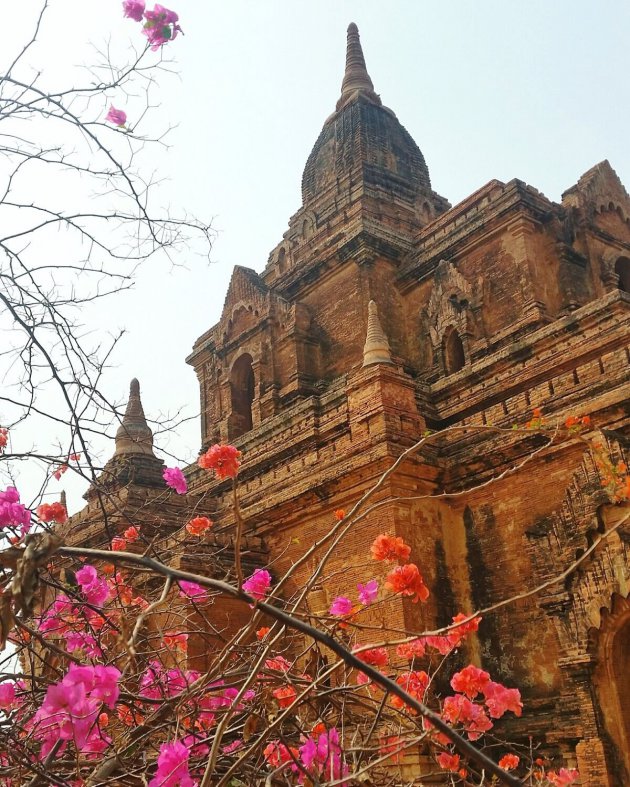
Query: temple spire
(356, 78)
(376, 348)
(134, 435)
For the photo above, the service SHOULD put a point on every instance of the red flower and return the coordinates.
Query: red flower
(119, 544)
(198, 525)
(52, 512)
(262, 632)
(285, 696)
(339, 514)
(470, 681)
(386, 547)
(414, 683)
(408, 581)
(378, 657)
(450, 762)
(456, 635)
(131, 533)
(508, 762)
(223, 459)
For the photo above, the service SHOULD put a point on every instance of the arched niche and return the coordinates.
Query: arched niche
(282, 260)
(453, 351)
(612, 681)
(622, 269)
(242, 391)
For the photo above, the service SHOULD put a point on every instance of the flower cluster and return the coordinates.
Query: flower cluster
(4, 439)
(225, 460)
(175, 479)
(258, 584)
(52, 512)
(160, 24)
(71, 709)
(12, 512)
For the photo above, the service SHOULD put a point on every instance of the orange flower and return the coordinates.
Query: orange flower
(103, 720)
(108, 569)
(339, 514)
(176, 640)
(131, 533)
(285, 696)
(450, 762)
(318, 729)
(414, 683)
(508, 762)
(52, 512)
(262, 632)
(408, 581)
(198, 525)
(119, 544)
(386, 547)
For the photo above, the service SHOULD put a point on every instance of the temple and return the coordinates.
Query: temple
(384, 312)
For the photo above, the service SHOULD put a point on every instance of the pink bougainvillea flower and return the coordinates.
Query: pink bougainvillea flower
(160, 26)
(563, 777)
(223, 459)
(94, 589)
(192, 590)
(172, 770)
(12, 512)
(368, 592)
(460, 710)
(340, 607)
(232, 746)
(500, 699)
(414, 683)
(134, 9)
(175, 479)
(52, 512)
(258, 584)
(7, 696)
(116, 116)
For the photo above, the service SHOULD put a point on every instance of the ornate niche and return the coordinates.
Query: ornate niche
(451, 318)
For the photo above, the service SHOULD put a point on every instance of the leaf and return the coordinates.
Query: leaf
(38, 548)
(7, 618)
(251, 725)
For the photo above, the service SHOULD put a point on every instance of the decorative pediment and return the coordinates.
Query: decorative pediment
(597, 191)
(248, 302)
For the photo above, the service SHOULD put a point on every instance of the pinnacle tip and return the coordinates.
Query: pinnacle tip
(134, 387)
(352, 28)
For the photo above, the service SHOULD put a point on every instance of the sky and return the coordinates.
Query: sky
(536, 90)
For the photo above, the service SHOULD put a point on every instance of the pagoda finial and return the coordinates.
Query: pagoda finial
(356, 77)
(376, 348)
(134, 435)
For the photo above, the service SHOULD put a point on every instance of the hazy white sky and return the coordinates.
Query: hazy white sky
(538, 90)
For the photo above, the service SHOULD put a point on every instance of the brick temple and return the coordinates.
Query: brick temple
(384, 312)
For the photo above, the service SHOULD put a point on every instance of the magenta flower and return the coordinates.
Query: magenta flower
(341, 607)
(368, 592)
(94, 589)
(134, 9)
(258, 584)
(172, 770)
(7, 695)
(160, 26)
(116, 116)
(192, 590)
(175, 479)
(12, 512)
